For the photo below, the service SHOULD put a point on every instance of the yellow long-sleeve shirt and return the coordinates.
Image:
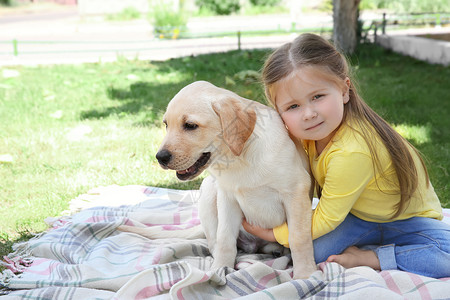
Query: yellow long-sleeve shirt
(345, 172)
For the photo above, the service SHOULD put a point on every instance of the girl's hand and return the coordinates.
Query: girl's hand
(263, 233)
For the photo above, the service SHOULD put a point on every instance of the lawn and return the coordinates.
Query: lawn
(66, 129)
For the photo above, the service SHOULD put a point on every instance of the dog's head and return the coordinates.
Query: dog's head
(203, 123)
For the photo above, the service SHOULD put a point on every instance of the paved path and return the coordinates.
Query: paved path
(64, 37)
(61, 36)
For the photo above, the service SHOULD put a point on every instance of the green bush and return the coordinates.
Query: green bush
(220, 7)
(265, 2)
(168, 23)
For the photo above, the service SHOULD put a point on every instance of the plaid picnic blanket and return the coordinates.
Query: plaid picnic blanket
(83, 256)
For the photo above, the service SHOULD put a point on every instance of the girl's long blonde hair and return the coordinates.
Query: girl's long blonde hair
(313, 50)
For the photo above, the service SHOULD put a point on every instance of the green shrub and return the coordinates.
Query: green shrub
(220, 7)
(168, 23)
(265, 2)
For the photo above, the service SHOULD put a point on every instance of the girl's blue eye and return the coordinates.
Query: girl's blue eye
(316, 97)
(293, 106)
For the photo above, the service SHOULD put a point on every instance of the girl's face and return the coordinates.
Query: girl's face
(311, 106)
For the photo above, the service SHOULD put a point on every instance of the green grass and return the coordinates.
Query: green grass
(70, 128)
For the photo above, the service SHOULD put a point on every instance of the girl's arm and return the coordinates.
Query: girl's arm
(263, 233)
(347, 175)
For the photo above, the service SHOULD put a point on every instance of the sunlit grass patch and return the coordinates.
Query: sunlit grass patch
(418, 134)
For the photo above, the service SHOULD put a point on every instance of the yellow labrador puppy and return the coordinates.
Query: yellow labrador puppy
(256, 171)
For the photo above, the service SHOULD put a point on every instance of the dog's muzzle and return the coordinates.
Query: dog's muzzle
(164, 157)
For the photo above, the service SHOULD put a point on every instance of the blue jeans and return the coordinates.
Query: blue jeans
(417, 245)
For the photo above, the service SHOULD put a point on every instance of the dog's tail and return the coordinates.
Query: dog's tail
(156, 232)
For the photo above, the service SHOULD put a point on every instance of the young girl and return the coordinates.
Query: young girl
(372, 184)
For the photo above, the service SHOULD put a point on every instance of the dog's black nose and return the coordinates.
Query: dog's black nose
(163, 157)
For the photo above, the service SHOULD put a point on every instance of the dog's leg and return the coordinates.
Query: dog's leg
(207, 210)
(299, 214)
(229, 221)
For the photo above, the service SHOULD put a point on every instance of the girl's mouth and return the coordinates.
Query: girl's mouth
(315, 126)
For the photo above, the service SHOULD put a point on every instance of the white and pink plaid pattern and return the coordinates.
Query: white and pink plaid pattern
(84, 257)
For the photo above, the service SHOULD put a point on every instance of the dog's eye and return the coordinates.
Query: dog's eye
(190, 126)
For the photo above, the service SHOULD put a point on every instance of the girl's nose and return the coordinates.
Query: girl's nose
(309, 113)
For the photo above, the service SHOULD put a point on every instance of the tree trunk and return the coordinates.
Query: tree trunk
(345, 23)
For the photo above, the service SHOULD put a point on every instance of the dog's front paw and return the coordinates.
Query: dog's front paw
(305, 272)
(220, 263)
(215, 267)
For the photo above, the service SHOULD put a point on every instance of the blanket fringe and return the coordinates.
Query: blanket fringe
(16, 263)
(5, 277)
(20, 259)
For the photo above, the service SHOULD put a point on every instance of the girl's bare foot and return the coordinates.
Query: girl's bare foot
(355, 257)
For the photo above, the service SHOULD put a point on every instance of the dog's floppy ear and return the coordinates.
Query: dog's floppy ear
(238, 121)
